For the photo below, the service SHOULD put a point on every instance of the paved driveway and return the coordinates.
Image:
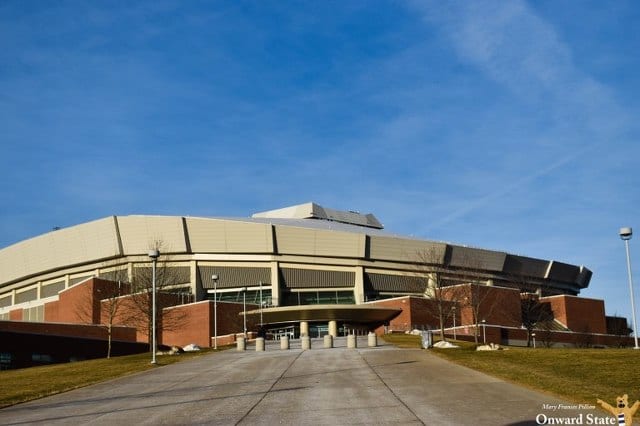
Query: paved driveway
(382, 385)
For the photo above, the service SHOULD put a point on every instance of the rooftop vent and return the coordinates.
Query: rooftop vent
(315, 211)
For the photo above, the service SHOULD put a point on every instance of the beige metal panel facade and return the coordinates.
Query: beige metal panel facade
(139, 234)
(68, 246)
(473, 258)
(220, 236)
(315, 242)
(406, 250)
(521, 266)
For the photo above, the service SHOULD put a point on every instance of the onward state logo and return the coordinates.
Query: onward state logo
(579, 419)
(622, 414)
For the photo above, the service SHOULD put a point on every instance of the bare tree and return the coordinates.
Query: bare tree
(475, 294)
(443, 304)
(167, 277)
(546, 328)
(584, 337)
(535, 315)
(102, 303)
(481, 301)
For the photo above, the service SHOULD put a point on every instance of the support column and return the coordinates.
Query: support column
(432, 285)
(333, 328)
(304, 328)
(275, 284)
(358, 288)
(196, 289)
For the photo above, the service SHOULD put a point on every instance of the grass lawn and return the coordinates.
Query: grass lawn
(579, 375)
(31, 383)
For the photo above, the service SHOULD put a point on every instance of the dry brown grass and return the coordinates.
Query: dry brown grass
(31, 383)
(580, 375)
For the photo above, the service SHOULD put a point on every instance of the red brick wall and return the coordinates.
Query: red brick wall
(197, 323)
(558, 307)
(579, 314)
(51, 312)
(506, 306)
(129, 313)
(425, 312)
(15, 315)
(417, 312)
(500, 306)
(125, 334)
(78, 304)
(197, 320)
(81, 304)
(403, 321)
(496, 305)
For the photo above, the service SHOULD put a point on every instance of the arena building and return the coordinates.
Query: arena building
(302, 266)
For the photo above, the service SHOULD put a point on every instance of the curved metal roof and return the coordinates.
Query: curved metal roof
(92, 243)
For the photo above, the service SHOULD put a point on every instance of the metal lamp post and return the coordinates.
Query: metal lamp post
(214, 278)
(484, 331)
(454, 323)
(244, 308)
(625, 234)
(153, 254)
(261, 304)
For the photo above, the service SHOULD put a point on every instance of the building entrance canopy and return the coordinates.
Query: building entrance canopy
(354, 314)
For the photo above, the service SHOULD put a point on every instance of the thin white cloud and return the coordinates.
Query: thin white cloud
(519, 50)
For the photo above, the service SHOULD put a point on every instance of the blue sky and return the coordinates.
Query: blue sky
(507, 125)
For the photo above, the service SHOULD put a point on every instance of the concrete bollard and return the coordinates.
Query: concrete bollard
(328, 341)
(306, 342)
(284, 342)
(352, 341)
(372, 339)
(260, 344)
(241, 344)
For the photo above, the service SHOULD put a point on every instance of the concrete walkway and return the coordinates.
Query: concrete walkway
(382, 385)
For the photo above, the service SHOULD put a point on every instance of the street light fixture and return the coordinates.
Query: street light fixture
(153, 254)
(626, 234)
(214, 278)
(533, 335)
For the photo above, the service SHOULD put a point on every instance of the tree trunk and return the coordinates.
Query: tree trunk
(441, 318)
(109, 340)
